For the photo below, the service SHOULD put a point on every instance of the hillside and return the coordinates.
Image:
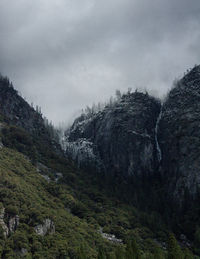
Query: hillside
(150, 148)
(120, 139)
(50, 208)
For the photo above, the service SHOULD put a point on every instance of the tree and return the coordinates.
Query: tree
(187, 254)
(118, 95)
(197, 240)
(132, 250)
(101, 254)
(119, 253)
(158, 253)
(174, 250)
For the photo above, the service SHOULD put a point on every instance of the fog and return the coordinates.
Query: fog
(63, 55)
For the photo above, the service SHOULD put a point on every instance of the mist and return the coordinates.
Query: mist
(63, 55)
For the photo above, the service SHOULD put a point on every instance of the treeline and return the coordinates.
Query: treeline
(132, 251)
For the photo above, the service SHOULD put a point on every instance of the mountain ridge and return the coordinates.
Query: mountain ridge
(69, 211)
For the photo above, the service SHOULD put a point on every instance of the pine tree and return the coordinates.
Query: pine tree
(187, 254)
(82, 253)
(119, 253)
(101, 254)
(197, 237)
(132, 250)
(158, 254)
(174, 250)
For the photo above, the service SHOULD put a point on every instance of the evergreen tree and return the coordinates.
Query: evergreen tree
(174, 250)
(111, 256)
(119, 253)
(132, 250)
(101, 254)
(197, 237)
(158, 254)
(81, 253)
(187, 254)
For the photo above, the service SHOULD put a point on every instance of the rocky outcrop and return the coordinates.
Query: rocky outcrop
(2, 223)
(47, 227)
(179, 137)
(110, 237)
(120, 139)
(22, 253)
(13, 222)
(45, 172)
(136, 136)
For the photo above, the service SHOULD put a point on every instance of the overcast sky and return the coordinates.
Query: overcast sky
(66, 54)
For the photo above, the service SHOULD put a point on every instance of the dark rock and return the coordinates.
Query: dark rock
(179, 137)
(47, 227)
(120, 139)
(2, 222)
(13, 222)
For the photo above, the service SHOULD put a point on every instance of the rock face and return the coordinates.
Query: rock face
(179, 136)
(47, 227)
(2, 223)
(120, 139)
(13, 222)
(137, 135)
(110, 237)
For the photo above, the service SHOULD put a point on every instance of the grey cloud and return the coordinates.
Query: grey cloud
(64, 54)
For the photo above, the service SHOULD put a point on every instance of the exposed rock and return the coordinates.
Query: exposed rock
(138, 136)
(2, 125)
(120, 139)
(13, 223)
(41, 168)
(47, 227)
(2, 223)
(163, 245)
(179, 137)
(58, 176)
(1, 144)
(22, 252)
(110, 237)
(46, 171)
(184, 242)
(46, 177)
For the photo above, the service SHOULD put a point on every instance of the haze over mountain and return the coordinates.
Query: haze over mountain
(64, 55)
(126, 178)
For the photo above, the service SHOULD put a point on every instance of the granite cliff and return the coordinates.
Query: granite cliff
(179, 136)
(137, 135)
(120, 139)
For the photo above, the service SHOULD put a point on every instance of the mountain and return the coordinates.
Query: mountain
(153, 145)
(27, 124)
(137, 135)
(103, 198)
(179, 136)
(120, 139)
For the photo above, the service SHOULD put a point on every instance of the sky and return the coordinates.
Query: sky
(66, 54)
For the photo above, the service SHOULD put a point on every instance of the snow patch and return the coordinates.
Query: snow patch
(80, 150)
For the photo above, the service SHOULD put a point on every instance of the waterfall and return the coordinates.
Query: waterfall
(62, 139)
(159, 152)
